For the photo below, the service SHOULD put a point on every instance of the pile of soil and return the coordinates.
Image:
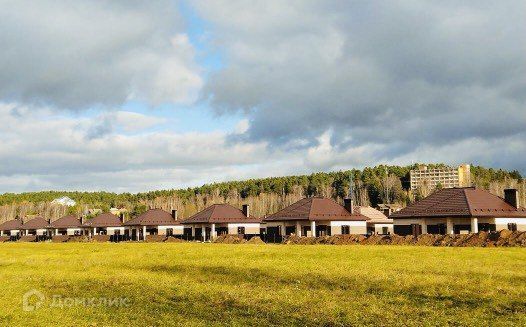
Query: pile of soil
(171, 239)
(78, 238)
(482, 239)
(155, 238)
(100, 238)
(28, 238)
(60, 238)
(230, 239)
(255, 240)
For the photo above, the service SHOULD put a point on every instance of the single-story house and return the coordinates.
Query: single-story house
(315, 216)
(461, 210)
(11, 228)
(221, 219)
(377, 222)
(37, 226)
(68, 225)
(105, 224)
(153, 222)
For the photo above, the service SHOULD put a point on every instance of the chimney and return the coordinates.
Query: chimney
(349, 205)
(49, 221)
(82, 220)
(246, 210)
(511, 196)
(174, 214)
(121, 217)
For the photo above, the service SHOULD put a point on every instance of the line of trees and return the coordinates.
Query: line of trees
(371, 186)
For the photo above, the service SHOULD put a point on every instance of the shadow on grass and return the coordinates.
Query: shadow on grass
(233, 276)
(197, 303)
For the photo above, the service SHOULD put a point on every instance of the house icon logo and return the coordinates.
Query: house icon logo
(32, 300)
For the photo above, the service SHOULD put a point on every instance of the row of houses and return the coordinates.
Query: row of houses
(314, 216)
(447, 211)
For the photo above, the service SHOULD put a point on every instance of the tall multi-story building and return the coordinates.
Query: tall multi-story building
(446, 177)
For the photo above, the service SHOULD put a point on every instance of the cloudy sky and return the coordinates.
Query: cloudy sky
(143, 95)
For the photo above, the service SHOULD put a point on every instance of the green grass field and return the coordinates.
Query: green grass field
(214, 284)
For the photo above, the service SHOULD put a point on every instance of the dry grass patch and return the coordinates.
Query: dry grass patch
(218, 284)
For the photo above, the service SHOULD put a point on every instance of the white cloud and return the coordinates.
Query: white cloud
(77, 54)
(43, 150)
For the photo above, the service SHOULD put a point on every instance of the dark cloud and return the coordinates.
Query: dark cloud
(400, 75)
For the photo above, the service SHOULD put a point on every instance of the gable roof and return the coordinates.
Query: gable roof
(461, 202)
(104, 220)
(36, 223)
(153, 217)
(11, 224)
(315, 208)
(220, 213)
(69, 221)
(373, 215)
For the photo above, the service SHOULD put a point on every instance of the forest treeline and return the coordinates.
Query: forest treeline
(371, 186)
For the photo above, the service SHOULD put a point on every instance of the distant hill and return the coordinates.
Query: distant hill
(265, 195)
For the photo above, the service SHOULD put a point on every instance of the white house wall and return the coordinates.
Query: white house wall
(250, 228)
(378, 228)
(355, 227)
(502, 223)
(41, 232)
(112, 230)
(71, 231)
(177, 230)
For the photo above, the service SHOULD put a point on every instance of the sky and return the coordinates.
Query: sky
(131, 96)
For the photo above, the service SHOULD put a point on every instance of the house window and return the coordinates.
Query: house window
(512, 227)
(346, 229)
(169, 231)
(241, 230)
(385, 230)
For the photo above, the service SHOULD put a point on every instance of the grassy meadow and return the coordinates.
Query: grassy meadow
(216, 284)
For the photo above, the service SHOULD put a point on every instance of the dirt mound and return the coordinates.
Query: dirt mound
(376, 240)
(101, 238)
(28, 238)
(255, 240)
(482, 239)
(346, 239)
(78, 238)
(60, 238)
(229, 239)
(155, 238)
(171, 239)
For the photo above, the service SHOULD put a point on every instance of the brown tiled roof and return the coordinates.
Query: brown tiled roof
(69, 221)
(36, 223)
(104, 220)
(11, 224)
(461, 202)
(153, 217)
(315, 209)
(220, 213)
